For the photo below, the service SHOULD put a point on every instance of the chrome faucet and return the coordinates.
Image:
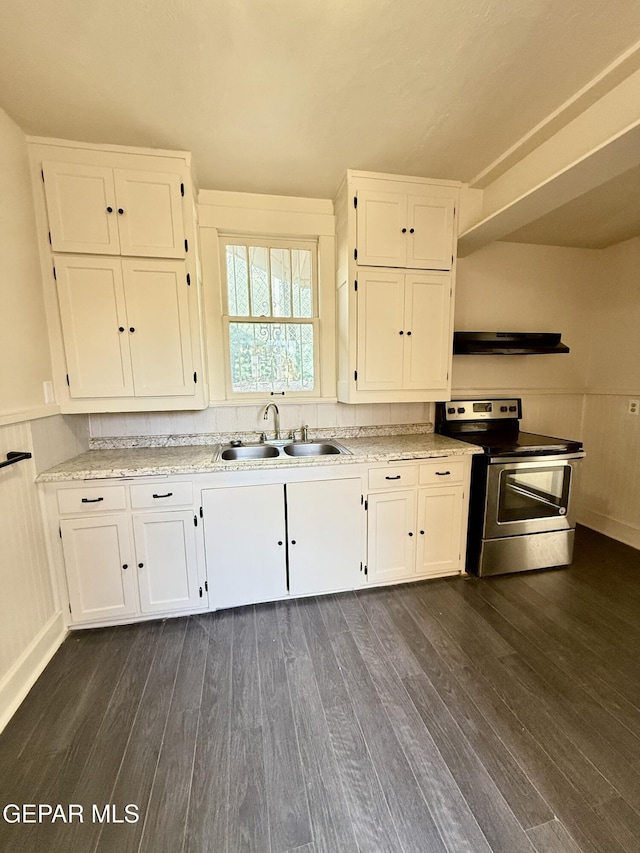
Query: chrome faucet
(276, 418)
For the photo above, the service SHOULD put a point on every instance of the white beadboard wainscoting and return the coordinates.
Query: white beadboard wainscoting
(610, 488)
(31, 624)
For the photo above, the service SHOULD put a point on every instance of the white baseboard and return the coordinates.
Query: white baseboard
(610, 527)
(26, 670)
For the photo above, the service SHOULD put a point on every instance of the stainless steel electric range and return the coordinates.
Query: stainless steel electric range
(521, 513)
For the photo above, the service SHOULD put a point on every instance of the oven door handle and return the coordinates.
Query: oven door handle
(537, 458)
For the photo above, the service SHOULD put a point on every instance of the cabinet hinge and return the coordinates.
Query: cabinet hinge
(355, 254)
(366, 571)
(361, 566)
(68, 383)
(206, 586)
(355, 200)
(200, 591)
(201, 513)
(454, 211)
(451, 260)
(355, 375)
(42, 173)
(59, 531)
(366, 506)
(195, 376)
(70, 607)
(186, 245)
(355, 285)
(182, 191)
(195, 520)
(189, 279)
(55, 275)
(50, 243)
(361, 500)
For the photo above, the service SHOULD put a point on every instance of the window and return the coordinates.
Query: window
(271, 316)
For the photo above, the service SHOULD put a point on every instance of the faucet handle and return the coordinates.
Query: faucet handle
(304, 432)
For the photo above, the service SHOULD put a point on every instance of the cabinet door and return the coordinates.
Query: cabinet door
(244, 536)
(94, 326)
(78, 201)
(440, 543)
(391, 536)
(381, 229)
(325, 524)
(99, 566)
(158, 310)
(165, 545)
(430, 235)
(380, 348)
(428, 317)
(149, 213)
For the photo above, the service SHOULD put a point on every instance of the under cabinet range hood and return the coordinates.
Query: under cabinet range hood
(507, 343)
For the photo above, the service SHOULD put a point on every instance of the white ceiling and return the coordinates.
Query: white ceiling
(282, 96)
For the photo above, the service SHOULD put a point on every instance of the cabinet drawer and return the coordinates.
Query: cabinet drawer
(442, 472)
(391, 477)
(159, 495)
(92, 499)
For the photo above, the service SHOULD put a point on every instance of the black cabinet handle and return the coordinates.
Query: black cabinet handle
(109, 209)
(404, 230)
(121, 328)
(401, 333)
(397, 477)
(411, 230)
(443, 473)
(168, 495)
(92, 500)
(422, 533)
(120, 211)
(279, 541)
(141, 565)
(410, 534)
(132, 328)
(125, 566)
(293, 541)
(408, 333)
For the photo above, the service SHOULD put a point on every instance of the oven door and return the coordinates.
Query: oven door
(530, 497)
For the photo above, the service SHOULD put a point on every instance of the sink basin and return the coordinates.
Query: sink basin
(312, 448)
(250, 451)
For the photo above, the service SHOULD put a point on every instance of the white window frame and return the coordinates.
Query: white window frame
(279, 242)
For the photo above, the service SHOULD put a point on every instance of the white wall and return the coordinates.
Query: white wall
(611, 482)
(24, 345)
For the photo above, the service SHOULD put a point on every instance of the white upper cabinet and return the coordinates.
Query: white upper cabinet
(99, 210)
(404, 229)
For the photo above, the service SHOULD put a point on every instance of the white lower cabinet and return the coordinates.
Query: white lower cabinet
(98, 557)
(167, 567)
(263, 542)
(439, 544)
(391, 545)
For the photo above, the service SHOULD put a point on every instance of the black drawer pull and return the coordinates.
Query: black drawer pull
(168, 495)
(443, 473)
(92, 500)
(397, 477)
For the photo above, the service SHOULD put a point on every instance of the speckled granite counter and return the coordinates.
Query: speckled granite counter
(204, 459)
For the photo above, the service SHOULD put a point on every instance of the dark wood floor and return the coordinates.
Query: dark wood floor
(458, 715)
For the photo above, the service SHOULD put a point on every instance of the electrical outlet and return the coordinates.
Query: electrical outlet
(634, 407)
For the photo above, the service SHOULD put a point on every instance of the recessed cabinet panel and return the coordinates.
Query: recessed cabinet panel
(166, 561)
(245, 543)
(158, 312)
(325, 521)
(431, 233)
(428, 318)
(78, 200)
(151, 222)
(100, 571)
(439, 530)
(94, 324)
(391, 535)
(380, 220)
(380, 330)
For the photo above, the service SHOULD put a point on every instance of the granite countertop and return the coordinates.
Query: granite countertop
(204, 459)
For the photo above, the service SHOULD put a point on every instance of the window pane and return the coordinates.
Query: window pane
(281, 282)
(237, 281)
(260, 290)
(301, 283)
(271, 356)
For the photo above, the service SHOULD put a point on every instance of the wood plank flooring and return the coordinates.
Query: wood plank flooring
(451, 716)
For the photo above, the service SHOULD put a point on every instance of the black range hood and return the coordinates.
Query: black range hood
(507, 343)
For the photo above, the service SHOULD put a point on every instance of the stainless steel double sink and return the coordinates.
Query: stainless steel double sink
(273, 451)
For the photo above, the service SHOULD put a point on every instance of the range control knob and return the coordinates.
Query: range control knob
(503, 408)
(513, 408)
(461, 410)
(451, 411)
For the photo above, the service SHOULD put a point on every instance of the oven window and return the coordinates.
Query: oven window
(534, 493)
